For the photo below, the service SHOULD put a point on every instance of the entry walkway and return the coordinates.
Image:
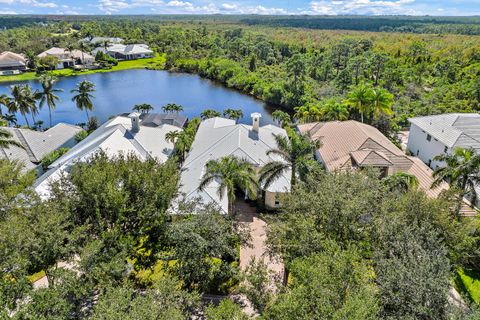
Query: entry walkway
(248, 218)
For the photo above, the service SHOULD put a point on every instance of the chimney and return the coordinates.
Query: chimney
(256, 121)
(135, 117)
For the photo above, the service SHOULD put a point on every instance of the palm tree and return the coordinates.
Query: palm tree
(172, 107)
(359, 99)
(334, 111)
(294, 154)
(38, 125)
(4, 100)
(143, 108)
(182, 145)
(69, 49)
(83, 97)
(6, 141)
(283, 118)
(172, 136)
(401, 182)
(10, 118)
(462, 170)
(31, 60)
(209, 113)
(23, 101)
(234, 114)
(47, 95)
(307, 113)
(231, 173)
(381, 101)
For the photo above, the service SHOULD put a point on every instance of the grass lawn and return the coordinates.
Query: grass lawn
(468, 283)
(154, 63)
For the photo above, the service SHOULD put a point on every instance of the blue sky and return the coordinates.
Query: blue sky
(323, 7)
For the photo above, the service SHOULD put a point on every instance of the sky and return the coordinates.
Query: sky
(312, 7)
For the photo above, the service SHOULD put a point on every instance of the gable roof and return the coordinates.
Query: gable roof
(63, 53)
(371, 158)
(220, 137)
(452, 129)
(342, 141)
(38, 144)
(113, 137)
(129, 49)
(340, 138)
(12, 59)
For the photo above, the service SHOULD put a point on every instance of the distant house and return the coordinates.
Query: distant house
(12, 63)
(120, 135)
(96, 41)
(431, 136)
(354, 145)
(68, 59)
(219, 137)
(36, 144)
(126, 52)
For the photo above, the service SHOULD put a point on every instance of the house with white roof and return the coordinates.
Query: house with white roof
(126, 52)
(431, 136)
(37, 144)
(68, 59)
(219, 137)
(120, 135)
(12, 63)
(101, 40)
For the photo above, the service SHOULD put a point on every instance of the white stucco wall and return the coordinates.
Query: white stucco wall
(424, 149)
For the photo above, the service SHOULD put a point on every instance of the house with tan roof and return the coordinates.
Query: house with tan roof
(68, 59)
(12, 63)
(351, 145)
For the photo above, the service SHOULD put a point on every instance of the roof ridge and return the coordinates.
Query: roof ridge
(28, 149)
(211, 145)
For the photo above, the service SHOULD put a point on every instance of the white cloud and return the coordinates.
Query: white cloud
(5, 11)
(375, 7)
(33, 3)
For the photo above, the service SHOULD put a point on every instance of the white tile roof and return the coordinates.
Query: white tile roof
(126, 49)
(452, 129)
(63, 54)
(38, 144)
(10, 59)
(113, 137)
(219, 137)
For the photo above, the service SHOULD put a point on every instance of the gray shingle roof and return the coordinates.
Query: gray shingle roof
(38, 144)
(452, 129)
(157, 119)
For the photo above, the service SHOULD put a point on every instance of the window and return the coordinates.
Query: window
(445, 149)
(277, 202)
(429, 137)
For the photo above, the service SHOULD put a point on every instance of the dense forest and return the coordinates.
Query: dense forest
(310, 72)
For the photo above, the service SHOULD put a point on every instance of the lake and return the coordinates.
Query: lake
(117, 92)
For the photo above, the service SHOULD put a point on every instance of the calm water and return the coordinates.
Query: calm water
(118, 92)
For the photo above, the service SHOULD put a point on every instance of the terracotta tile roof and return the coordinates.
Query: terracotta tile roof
(350, 140)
